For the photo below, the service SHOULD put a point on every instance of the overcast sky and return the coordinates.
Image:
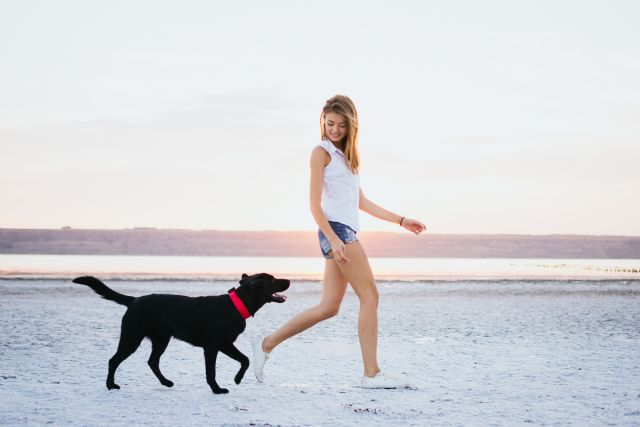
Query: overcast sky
(476, 117)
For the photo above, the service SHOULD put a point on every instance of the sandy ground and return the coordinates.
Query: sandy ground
(475, 353)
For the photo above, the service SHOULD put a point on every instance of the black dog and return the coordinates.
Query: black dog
(211, 322)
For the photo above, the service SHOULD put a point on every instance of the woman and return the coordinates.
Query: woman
(335, 197)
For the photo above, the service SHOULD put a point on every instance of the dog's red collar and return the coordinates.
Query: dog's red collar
(242, 309)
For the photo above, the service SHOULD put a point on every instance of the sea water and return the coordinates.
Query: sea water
(225, 268)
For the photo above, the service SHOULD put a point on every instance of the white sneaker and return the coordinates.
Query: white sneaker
(259, 358)
(380, 381)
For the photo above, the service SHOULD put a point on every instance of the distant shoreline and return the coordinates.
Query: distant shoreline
(151, 241)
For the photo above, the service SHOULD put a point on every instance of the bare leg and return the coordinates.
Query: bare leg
(358, 273)
(334, 287)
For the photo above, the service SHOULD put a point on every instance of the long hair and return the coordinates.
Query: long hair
(344, 106)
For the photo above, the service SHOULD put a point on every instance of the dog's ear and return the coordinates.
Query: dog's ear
(244, 275)
(244, 279)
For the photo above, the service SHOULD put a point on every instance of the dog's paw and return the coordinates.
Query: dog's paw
(238, 378)
(167, 383)
(113, 386)
(220, 391)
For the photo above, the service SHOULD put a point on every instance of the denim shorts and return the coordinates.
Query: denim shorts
(344, 233)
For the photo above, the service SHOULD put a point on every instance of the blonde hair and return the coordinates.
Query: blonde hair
(341, 104)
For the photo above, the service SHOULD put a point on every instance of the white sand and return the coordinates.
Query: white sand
(476, 353)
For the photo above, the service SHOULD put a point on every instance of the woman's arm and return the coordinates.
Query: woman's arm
(319, 160)
(377, 211)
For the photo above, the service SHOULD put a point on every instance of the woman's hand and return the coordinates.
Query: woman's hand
(337, 247)
(413, 225)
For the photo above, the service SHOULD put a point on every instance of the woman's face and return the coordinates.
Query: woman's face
(335, 126)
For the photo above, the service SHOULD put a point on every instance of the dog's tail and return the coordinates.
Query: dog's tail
(103, 290)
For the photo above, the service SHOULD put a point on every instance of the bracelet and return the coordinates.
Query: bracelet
(401, 219)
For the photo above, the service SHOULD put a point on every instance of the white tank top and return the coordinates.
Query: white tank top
(340, 189)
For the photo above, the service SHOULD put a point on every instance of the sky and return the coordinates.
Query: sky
(476, 117)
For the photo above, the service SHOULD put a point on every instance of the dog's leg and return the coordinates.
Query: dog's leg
(130, 339)
(232, 351)
(158, 346)
(210, 356)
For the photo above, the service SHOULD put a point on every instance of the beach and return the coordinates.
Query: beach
(479, 157)
(474, 352)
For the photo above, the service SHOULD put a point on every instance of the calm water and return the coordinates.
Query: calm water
(196, 268)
